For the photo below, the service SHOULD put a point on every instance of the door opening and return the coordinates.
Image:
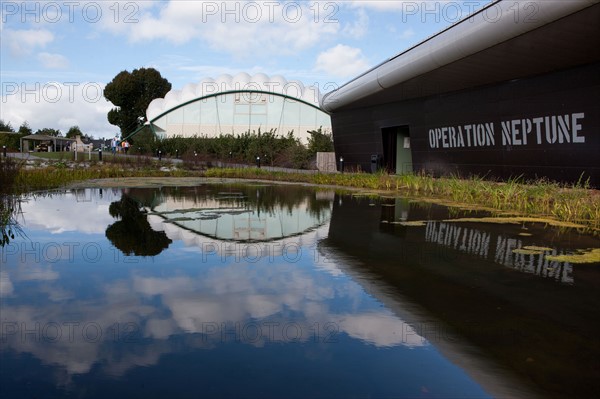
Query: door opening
(397, 152)
(390, 137)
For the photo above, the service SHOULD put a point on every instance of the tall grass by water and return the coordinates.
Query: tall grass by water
(53, 177)
(568, 203)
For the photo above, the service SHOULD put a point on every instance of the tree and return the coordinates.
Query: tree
(49, 132)
(319, 142)
(73, 132)
(131, 93)
(6, 127)
(25, 130)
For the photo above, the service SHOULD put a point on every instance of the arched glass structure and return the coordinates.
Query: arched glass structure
(238, 104)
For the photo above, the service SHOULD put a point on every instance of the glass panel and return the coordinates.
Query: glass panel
(291, 113)
(175, 117)
(226, 104)
(274, 109)
(191, 113)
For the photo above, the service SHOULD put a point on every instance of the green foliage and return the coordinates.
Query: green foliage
(11, 141)
(49, 132)
(319, 142)
(131, 93)
(144, 142)
(75, 131)
(6, 127)
(24, 129)
(9, 204)
(273, 149)
(573, 204)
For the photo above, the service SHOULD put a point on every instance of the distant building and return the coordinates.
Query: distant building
(513, 90)
(238, 104)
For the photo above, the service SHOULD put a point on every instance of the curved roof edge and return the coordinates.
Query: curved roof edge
(470, 35)
(222, 93)
(225, 84)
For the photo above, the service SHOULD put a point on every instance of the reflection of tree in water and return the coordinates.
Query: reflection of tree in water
(133, 234)
(10, 205)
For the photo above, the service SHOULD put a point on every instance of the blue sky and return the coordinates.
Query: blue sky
(56, 56)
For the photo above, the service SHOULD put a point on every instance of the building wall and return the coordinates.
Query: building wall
(540, 126)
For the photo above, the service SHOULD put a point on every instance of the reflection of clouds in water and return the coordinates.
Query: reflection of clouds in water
(6, 285)
(35, 272)
(233, 295)
(87, 213)
(380, 329)
(212, 292)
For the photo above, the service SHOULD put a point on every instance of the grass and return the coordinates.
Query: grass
(549, 202)
(53, 177)
(570, 204)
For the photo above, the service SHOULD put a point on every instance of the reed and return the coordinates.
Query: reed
(575, 203)
(58, 176)
(542, 198)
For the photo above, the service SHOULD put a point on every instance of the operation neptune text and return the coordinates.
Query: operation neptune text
(553, 129)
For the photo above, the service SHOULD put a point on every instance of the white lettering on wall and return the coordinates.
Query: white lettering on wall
(551, 129)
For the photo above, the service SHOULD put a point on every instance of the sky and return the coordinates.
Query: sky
(57, 56)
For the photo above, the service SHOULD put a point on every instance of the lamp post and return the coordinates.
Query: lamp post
(258, 162)
(342, 164)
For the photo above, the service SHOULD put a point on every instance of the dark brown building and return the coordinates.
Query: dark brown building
(513, 90)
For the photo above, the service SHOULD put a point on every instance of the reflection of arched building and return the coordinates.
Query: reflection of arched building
(228, 219)
(238, 104)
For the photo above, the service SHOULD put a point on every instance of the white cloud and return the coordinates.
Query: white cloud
(53, 61)
(407, 34)
(342, 61)
(382, 5)
(241, 29)
(23, 42)
(358, 28)
(58, 106)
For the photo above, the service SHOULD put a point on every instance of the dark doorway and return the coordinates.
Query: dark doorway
(389, 135)
(397, 153)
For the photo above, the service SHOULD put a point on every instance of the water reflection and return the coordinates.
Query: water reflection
(501, 248)
(10, 208)
(132, 234)
(526, 312)
(337, 304)
(242, 213)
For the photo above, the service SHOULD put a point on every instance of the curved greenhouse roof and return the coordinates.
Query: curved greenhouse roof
(238, 104)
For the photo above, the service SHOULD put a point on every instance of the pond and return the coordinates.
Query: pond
(272, 291)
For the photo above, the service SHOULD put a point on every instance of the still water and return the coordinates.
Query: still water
(285, 291)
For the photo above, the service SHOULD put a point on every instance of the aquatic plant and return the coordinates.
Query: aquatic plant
(9, 203)
(550, 201)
